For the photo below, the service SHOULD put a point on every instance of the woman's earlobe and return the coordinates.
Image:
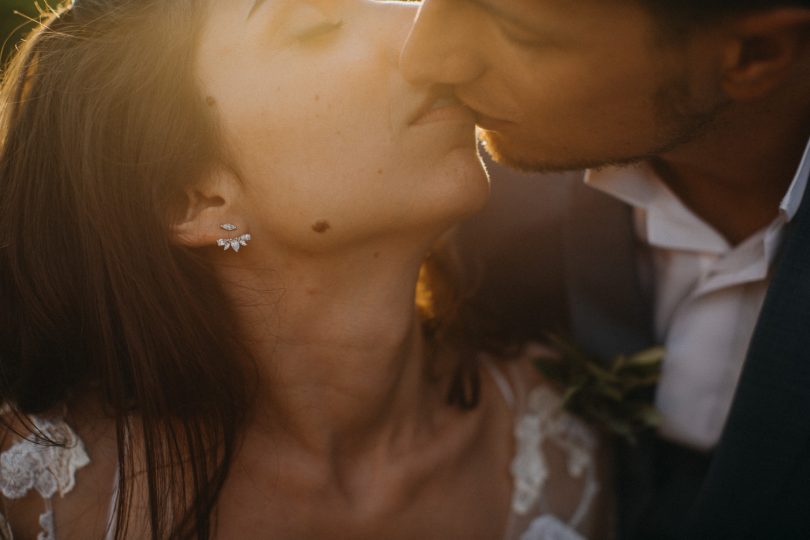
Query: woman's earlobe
(206, 214)
(188, 234)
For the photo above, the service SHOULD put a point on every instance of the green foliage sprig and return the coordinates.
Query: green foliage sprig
(615, 396)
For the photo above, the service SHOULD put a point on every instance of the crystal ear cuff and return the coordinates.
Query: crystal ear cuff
(235, 243)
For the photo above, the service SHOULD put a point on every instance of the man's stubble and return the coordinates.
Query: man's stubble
(678, 121)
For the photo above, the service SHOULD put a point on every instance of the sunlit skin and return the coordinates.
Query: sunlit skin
(344, 179)
(556, 85)
(345, 183)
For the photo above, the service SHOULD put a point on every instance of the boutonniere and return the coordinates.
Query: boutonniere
(615, 396)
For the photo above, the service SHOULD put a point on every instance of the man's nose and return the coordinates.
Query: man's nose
(441, 47)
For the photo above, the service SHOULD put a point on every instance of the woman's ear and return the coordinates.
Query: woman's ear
(208, 206)
(766, 47)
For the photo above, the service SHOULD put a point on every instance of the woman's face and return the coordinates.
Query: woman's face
(333, 146)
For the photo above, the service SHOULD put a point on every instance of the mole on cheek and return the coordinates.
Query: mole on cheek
(211, 102)
(317, 97)
(321, 226)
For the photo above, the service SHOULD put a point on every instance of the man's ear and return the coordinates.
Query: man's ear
(209, 205)
(764, 50)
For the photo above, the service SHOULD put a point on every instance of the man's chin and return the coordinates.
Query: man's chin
(521, 158)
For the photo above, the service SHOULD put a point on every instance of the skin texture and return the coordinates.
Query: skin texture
(302, 90)
(349, 429)
(721, 110)
(557, 85)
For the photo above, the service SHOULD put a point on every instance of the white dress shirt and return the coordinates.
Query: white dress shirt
(708, 295)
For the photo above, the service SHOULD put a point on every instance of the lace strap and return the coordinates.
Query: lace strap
(45, 467)
(111, 523)
(5, 529)
(501, 382)
(544, 420)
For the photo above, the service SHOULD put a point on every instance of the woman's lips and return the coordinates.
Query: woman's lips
(451, 112)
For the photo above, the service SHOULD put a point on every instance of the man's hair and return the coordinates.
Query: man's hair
(683, 14)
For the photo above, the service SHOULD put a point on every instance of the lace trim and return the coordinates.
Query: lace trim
(47, 524)
(550, 528)
(545, 420)
(48, 469)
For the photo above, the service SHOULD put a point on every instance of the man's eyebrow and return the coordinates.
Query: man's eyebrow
(501, 13)
(255, 7)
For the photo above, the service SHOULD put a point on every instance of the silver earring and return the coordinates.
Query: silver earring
(233, 243)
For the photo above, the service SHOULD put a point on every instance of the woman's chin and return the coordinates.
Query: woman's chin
(458, 189)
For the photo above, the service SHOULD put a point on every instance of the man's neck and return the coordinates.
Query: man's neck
(735, 176)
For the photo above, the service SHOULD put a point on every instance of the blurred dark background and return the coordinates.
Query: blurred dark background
(14, 26)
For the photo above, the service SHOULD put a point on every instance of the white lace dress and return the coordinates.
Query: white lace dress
(48, 470)
(539, 420)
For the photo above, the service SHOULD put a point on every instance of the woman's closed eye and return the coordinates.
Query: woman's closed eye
(318, 31)
(523, 37)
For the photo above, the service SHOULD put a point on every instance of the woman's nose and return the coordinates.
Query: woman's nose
(442, 45)
(398, 17)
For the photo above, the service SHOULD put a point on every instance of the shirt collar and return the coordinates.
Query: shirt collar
(795, 193)
(667, 222)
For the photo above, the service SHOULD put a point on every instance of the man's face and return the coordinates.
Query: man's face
(562, 84)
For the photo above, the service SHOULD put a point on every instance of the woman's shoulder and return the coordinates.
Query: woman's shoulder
(539, 404)
(41, 458)
(517, 376)
(42, 454)
(540, 417)
(555, 461)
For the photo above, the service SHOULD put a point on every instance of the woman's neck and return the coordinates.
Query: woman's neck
(340, 350)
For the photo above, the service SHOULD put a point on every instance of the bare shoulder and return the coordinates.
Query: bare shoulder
(550, 438)
(521, 367)
(56, 466)
(21, 450)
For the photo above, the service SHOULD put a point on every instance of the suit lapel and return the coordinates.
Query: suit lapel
(769, 424)
(610, 311)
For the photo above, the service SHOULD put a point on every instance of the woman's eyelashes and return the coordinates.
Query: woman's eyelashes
(522, 37)
(321, 30)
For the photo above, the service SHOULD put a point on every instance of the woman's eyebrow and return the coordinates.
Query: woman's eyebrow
(278, 6)
(256, 5)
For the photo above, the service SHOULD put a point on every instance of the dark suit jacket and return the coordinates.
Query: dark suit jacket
(559, 255)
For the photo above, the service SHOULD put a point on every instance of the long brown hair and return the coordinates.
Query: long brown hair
(101, 131)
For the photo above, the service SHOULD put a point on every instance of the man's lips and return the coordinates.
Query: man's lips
(489, 123)
(484, 120)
